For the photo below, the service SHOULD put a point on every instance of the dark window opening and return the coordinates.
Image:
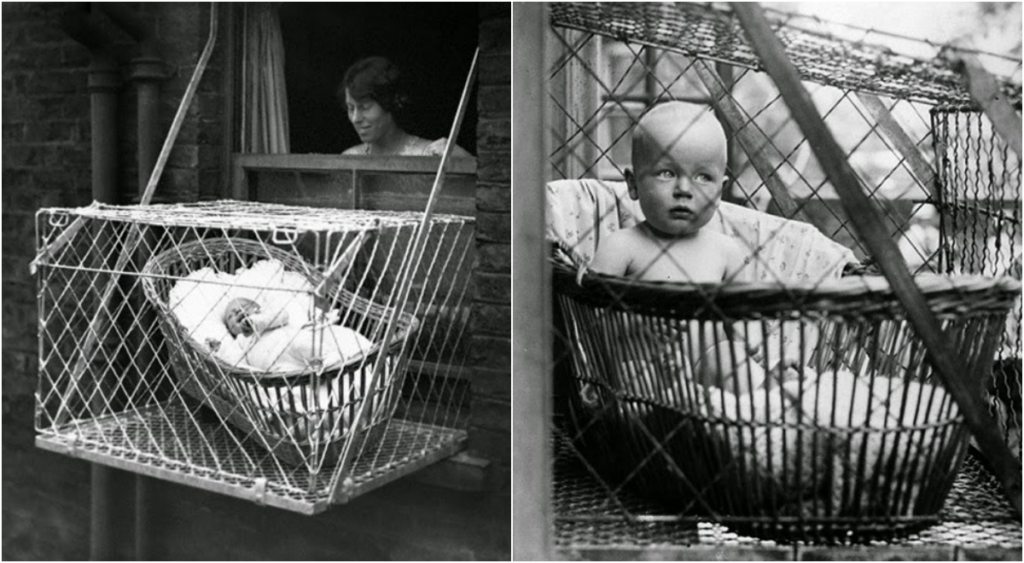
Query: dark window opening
(432, 43)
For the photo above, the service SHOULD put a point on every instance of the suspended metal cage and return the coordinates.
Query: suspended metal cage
(296, 357)
(815, 418)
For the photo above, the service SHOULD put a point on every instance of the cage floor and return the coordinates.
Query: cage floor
(170, 447)
(975, 520)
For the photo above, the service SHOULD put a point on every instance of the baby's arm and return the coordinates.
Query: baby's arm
(613, 255)
(264, 321)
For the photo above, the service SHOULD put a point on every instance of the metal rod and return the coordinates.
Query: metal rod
(146, 73)
(752, 141)
(104, 81)
(186, 101)
(891, 128)
(865, 218)
(406, 274)
(728, 83)
(97, 327)
(987, 93)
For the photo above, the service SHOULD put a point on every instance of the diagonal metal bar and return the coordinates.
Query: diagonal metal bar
(862, 211)
(986, 92)
(410, 263)
(902, 141)
(96, 327)
(750, 140)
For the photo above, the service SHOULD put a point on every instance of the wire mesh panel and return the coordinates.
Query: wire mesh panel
(981, 233)
(783, 396)
(294, 356)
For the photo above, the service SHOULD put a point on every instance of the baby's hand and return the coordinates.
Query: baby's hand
(262, 322)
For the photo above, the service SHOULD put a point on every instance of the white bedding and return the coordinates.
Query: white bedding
(306, 341)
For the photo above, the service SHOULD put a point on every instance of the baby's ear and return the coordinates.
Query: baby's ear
(631, 183)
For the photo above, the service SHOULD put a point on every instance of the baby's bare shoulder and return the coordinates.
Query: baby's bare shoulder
(726, 242)
(616, 250)
(629, 236)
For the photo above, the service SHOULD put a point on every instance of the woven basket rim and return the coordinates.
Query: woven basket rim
(844, 286)
(409, 323)
(839, 293)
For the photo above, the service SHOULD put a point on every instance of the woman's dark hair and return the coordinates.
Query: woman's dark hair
(377, 79)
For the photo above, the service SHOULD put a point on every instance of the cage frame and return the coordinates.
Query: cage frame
(265, 482)
(537, 537)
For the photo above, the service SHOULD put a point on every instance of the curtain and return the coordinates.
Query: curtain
(264, 96)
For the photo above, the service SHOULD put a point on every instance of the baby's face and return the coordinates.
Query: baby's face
(237, 316)
(677, 177)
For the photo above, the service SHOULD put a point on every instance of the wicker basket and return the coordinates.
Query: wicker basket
(830, 425)
(310, 427)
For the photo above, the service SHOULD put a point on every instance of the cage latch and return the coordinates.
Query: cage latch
(283, 236)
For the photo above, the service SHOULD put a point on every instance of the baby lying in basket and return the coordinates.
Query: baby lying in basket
(262, 318)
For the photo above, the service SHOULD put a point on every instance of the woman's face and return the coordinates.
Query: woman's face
(371, 122)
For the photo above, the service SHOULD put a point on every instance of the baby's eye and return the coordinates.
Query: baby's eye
(665, 174)
(705, 177)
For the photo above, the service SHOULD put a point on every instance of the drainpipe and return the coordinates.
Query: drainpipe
(104, 81)
(147, 71)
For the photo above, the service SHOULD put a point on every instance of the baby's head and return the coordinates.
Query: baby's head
(238, 316)
(678, 172)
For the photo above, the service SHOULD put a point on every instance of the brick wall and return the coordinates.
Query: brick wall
(46, 162)
(492, 311)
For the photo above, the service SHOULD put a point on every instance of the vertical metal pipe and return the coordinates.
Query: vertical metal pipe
(101, 538)
(728, 82)
(146, 73)
(651, 88)
(229, 141)
(104, 81)
(531, 283)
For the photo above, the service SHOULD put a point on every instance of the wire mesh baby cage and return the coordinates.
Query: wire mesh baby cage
(796, 405)
(293, 356)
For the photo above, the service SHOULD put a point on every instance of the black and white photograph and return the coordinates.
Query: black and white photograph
(257, 281)
(496, 281)
(767, 263)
